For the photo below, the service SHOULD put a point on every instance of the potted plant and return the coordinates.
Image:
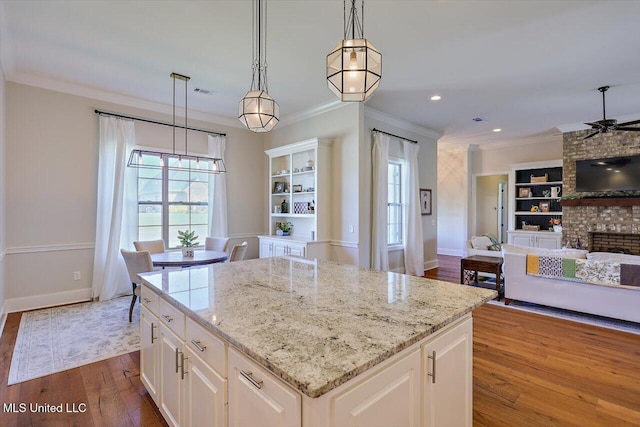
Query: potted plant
(283, 228)
(188, 240)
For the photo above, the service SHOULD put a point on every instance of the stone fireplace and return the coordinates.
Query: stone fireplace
(599, 224)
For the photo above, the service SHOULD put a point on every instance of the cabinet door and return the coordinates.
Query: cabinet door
(389, 398)
(256, 398)
(266, 248)
(448, 399)
(521, 239)
(279, 249)
(205, 394)
(549, 242)
(149, 366)
(171, 389)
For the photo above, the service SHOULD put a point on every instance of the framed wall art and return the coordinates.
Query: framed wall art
(425, 201)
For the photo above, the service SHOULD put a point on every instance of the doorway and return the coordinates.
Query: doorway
(491, 210)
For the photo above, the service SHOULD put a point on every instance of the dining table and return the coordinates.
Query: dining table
(176, 259)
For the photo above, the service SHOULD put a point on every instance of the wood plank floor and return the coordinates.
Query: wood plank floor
(529, 370)
(533, 370)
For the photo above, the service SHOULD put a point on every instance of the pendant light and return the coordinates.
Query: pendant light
(354, 67)
(181, 162)
(257, 110)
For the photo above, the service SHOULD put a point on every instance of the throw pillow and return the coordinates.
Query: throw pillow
(480, 242)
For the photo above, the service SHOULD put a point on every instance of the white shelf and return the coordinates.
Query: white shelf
(538, 198)
(301, 193)
(529, 184)
(539, 213)
(290, 215)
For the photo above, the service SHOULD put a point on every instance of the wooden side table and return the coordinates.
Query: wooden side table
(470, 266)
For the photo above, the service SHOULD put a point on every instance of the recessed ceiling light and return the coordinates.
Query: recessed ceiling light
(436, 98)
(497, 130)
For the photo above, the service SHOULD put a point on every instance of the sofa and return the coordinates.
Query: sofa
(569, 284)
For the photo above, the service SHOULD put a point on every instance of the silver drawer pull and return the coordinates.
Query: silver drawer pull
(147, 300)
(249, 377)
(168, 318)
(152, 328)
(177, 364)
(432, 374)
(198, 345)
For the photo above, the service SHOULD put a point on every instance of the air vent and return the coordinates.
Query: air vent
(477, 119)
(203, 91)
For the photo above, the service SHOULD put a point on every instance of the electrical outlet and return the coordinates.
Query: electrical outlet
(351, 229)
(77, 275)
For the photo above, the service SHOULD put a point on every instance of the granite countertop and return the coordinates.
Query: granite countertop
(315, 324)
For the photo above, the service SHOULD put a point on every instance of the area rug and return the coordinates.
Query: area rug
(604, 322)
(61, 338)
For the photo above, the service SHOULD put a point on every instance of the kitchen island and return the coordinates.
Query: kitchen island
(291, 341)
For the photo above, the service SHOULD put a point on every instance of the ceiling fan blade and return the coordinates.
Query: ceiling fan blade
(594, 125)
(629, 123)
(591, 136)
(627, 129)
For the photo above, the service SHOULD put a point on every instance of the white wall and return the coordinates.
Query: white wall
(456, 167)
(51, 180)
(341, 125)
(3, 234)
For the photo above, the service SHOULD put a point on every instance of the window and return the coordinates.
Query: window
(170, 200)
(394, 204)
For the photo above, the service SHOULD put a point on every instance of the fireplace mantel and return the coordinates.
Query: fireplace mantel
(603, 201)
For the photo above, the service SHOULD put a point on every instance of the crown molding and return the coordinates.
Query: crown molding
(400, 123)
(114, 98)
(312, 112)
(572, 127)
(480, 144)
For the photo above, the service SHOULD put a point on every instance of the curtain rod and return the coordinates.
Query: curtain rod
(390, 134)
(106, 113)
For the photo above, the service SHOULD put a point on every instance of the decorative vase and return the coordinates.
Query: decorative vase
(187, 251)
(279, 232)
(286, 233)
(557, 228)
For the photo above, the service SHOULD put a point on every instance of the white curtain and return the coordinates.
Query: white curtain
(413, 243)
(116, 220)
(218, 190)
(380, 159)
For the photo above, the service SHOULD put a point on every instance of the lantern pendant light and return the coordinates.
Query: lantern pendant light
(354, 66)
(257, 110)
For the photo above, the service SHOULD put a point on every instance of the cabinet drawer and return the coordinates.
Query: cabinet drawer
(211, 349)
(149, 299)
(271, 401)
(172, 317)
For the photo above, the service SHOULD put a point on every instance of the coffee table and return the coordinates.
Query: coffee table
(470, 266)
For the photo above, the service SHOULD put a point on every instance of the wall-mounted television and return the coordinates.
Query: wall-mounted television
(611, 174)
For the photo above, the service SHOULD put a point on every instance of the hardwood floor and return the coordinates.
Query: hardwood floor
(110, 389)
(529, 370)
(533, 370)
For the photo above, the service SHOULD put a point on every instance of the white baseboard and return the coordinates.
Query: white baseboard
(13, 305)
(3, 317)
(428, 265)
(452, 252)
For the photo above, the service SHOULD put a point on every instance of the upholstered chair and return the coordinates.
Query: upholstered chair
(153, 246)
(137, 262)
(238, 252)
(220, 244)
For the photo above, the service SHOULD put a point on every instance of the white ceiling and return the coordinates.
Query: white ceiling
(525, 66)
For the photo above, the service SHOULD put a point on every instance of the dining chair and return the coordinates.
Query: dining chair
(153, 246)
(238, 252)
(216, 244)
(137, 262)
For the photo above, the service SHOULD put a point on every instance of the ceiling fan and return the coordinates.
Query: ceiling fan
(605, 125)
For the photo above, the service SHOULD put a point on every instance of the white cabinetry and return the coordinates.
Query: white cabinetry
(299, 193)
(149, 352)
(448, 361)
(536, 239)
(396, 389)
(257, 398)
(182, 366)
